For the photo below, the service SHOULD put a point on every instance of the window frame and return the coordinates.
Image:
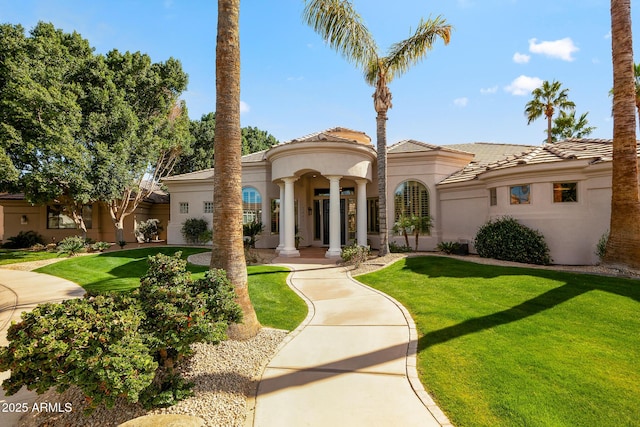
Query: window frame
(58, 211)
(560, 183)
(416, 188)
(183, 208)
(520, 197)
(251, 210)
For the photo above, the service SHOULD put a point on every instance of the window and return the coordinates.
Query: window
(412, 199)
(493, 197)
(59, 218)
(275, 216)
(184, 207)
(373, 216)
(207, 207)
(251, 205)
(564, 192)
(520, 194)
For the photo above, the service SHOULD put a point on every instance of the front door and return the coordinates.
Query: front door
(325, 222)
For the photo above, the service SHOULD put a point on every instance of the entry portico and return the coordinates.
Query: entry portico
(343, 158)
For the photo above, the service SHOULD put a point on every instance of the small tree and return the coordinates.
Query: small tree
(194, 230)
(251, 230)
(412, 224)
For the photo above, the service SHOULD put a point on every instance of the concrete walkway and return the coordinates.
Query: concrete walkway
(22, 291)
(351, 363)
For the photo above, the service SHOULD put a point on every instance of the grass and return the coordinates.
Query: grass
(501, 346)
(13, 256)
(276, 305)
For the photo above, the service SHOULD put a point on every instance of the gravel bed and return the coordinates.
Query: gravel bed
(225, 376)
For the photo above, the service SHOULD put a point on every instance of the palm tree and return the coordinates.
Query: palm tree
(636, 72)
(228, 250)
(566, 126)
(342, 27)
(545, 100)
(623, 247)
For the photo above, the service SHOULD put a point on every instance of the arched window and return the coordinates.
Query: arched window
(412, 199)
(251, 205)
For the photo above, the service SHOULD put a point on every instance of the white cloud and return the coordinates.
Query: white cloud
(244, 107)
(523, 85)
(608, 36)
(561, 49)
(489, 90)
(521, 58)
(461, 102)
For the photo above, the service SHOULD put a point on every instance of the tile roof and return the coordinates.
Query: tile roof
(413, 146)
(334, 134)
(488, 152)
(596, 150)
(256, 157)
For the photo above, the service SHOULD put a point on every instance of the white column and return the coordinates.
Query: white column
(281, 218)
(361, 212)
(334, 217)
(289, 249)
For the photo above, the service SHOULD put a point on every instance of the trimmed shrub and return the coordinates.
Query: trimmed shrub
(72, 245)
(148, 229)
(194, 229)
(355, 254)
(94, 343)
(24, 239)
(252, 230)
(507, 239)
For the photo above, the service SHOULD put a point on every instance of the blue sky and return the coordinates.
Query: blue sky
(473, 90)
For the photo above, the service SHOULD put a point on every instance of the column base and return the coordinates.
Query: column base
(279, 248)
(289, 253)
(333, 253)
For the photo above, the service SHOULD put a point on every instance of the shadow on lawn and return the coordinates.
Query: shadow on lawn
(575, 284)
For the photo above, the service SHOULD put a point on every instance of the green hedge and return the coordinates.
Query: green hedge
(507, 239)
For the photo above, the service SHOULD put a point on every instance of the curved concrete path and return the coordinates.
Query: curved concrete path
(351, 362)
(22, 291)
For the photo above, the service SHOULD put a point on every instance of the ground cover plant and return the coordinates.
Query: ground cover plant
(10, 256)
(275, 303)
(502, 346)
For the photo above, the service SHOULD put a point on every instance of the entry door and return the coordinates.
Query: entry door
(325, 221)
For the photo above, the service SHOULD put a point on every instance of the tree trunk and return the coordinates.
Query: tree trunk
(549, 121)
(381, 135)
(228, 249)
(623, 247)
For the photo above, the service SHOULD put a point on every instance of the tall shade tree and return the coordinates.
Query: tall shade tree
(567, 126)
(228, 249)
(546, 99)
(337, 22)
(623, 247)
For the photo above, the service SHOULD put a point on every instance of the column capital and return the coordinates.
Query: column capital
(290, 179)
(334, 177)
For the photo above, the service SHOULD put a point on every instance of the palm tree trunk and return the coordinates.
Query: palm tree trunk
(228, 250)
(549, 120)
(381, 135)
(623, 247)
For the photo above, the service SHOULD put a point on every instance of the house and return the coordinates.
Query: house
(54, 224)
(322, 189)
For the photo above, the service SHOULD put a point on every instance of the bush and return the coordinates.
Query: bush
(149, 229)
(38, 247)
(24, 239)
(601, 247)
(394, 248)
(121, 345)
(448, 247)
(72, 245)
(508, 240)
(355, 254)
(194, 229)
(94, 343)
(100, 246)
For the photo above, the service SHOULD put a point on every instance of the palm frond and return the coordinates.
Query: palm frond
(404, 54)
(342, 28)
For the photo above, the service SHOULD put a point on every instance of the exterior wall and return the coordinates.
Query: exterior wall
(428, 168)
(102, 228)
(571, 229)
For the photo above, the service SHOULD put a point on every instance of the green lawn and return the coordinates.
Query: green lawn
(276, 305)
(503, 346)
(13, 256)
